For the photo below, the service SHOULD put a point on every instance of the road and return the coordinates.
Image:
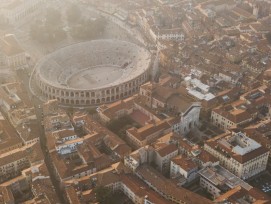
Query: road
(23, 76)
(37, 51)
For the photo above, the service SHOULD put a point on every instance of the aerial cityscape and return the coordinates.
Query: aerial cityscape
(135, 101)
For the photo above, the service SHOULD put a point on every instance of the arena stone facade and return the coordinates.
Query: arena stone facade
(75, 75)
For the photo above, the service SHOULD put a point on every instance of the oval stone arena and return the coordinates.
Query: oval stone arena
(92, 73)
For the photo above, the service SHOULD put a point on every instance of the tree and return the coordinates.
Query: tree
(103, 195)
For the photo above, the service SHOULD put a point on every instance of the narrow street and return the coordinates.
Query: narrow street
(23, 75)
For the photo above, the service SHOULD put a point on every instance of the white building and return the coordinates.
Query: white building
(197, 89)
(233, 115)
(239, 154)
(138, 157)
(231, 77)
(187, 121)
(166, 34)
(163, 156)
(68, 146)
(217, 180)
(183, 166)
(65, 135)
(172, 36)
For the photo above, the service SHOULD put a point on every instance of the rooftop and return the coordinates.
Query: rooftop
(237, 146)
(240, 143)
(222, 178)
(241, 195)
(142, 133)
(165, 186)
(10, 45)
(184, 162)
(167, 149)
(9, 138)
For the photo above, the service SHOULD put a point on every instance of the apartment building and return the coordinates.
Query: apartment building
(217, 180)
(241, 195)
(116, 110)
(166, 188)
(232, 115)
(12, 163)
(148, 133)
(163, 155)
(183, 166)
(11, 53)
(238, 153)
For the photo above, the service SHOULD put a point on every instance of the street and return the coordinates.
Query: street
(23, 75)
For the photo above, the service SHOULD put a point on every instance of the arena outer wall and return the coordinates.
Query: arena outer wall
(94, 96)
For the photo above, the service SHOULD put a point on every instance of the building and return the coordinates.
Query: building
(135, 159)
(163, 154)
(102, 136)
(11, 53)
(238, 153)
(198, 90)
(71, 166)
(172, 101)
(41, 185)
(260, 133)
(233, 115)
(116, 69)
(10, 139)
(240, 194)
(217, 180)
(135, 189)
(116, 110)
(254, 103)
(65, 135)
(18, 10)
(139, 192)
(183, 166)
(32, 186)
(13, 96)
(57, 121)
(201, 157)
(29, 132)
(12, 163)
(174, 34)
(22, 115)
(148, 133)
(69, 146)
(166, 188)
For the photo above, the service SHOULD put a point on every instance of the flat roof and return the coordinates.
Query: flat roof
(221, 177)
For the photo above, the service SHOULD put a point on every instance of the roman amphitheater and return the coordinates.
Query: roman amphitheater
(94, 72)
